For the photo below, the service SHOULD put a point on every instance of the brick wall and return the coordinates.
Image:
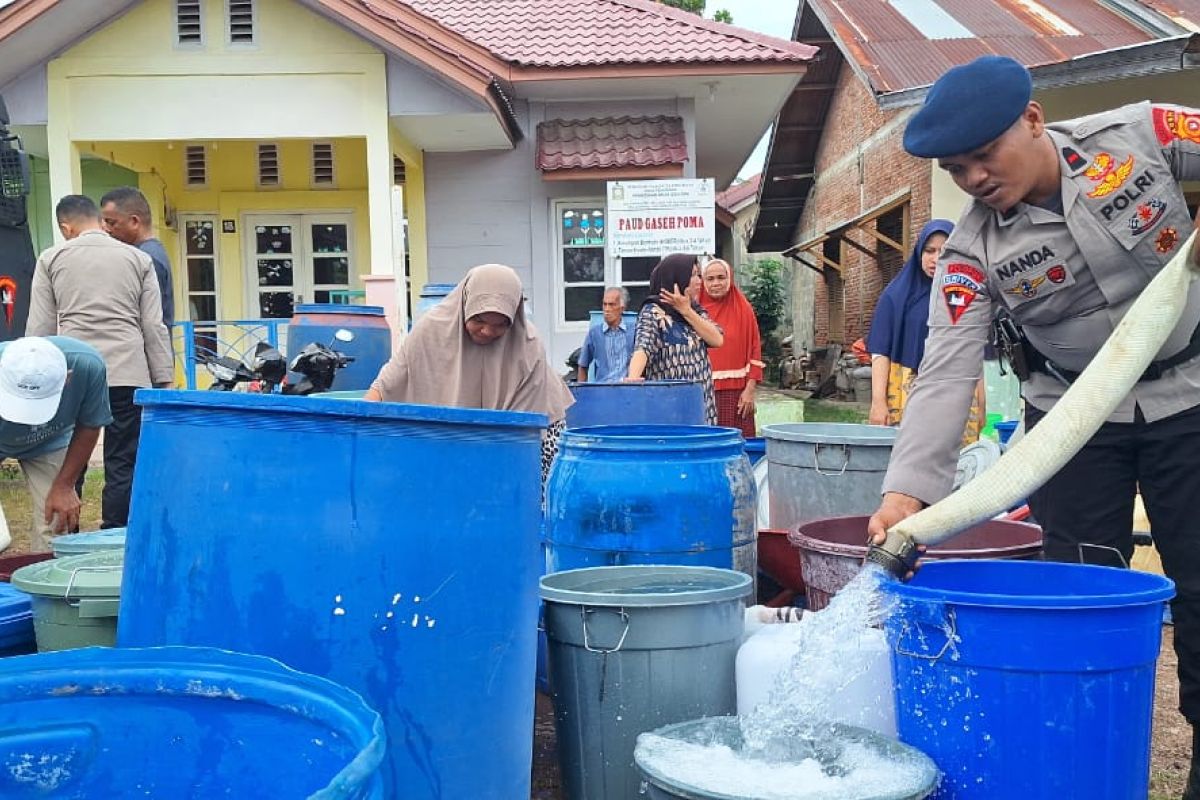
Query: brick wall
(860, 164)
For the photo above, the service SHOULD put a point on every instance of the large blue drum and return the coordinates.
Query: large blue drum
(651, 494)
(637, 403)
(343, 539)
(371, 347)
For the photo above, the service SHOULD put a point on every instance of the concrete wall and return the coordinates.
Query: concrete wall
(494, 207)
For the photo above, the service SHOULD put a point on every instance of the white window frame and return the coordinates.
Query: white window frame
(303, 287)
(258, 172)
(185, 275)
(312, 166)
(613, 271)
(187, 184)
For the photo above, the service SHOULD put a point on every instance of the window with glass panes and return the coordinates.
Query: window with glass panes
(200, 271)
(581, 263)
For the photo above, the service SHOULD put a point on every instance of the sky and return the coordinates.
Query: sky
(774, 17)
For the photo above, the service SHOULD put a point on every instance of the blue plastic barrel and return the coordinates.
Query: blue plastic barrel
(391, 548)
(431, 295)
(16, 622)
(637, 403)
(651, 494)
(1029, 679)
(77, 544)
(756, 449)
(176, 722)
(371, 348)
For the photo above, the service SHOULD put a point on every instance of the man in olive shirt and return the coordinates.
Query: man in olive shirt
(105, 293)
(53, 403)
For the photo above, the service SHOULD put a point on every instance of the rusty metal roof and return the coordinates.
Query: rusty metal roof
(895, 45)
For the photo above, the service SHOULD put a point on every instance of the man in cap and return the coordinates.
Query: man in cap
(1069, 222)
(53, 403)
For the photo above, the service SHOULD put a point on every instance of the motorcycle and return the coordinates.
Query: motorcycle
(267, 369)
(319, 363)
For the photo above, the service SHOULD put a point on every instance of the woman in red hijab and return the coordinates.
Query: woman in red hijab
(737, 365)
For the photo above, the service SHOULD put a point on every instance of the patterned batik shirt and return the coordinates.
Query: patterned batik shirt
(675, 352)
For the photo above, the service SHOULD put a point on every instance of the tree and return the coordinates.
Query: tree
(697, 7)
(768, 296)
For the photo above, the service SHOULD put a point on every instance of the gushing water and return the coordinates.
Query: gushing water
(795, 746)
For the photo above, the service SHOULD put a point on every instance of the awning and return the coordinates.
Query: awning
(611, 148)
(864, 224)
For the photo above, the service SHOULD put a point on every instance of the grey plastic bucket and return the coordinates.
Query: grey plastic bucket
(825, 469)
(918, 779)
(75, 599)
(632, 649)
(78, 544)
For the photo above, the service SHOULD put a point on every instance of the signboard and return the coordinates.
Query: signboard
(655, 218)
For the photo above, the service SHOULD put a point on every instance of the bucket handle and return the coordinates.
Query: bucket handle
(951, 635)
(1120, 555)
(817, 460)
(585, 612)
(75, 572)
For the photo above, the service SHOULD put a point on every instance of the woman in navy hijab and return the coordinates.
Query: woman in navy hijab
(898, 330)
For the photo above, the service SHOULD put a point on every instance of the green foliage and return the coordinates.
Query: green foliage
(767, 293)
(694, 6)
(721, 15)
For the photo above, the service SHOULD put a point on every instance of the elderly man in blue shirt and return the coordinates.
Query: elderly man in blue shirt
(609, 344)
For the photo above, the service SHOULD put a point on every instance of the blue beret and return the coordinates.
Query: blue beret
(968, 107)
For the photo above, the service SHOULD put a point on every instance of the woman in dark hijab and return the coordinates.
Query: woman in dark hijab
(674, 331)
(899, 329)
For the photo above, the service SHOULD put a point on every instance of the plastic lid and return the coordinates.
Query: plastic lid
(975, 459)
(666, 585)
(89, 575)
(338, 308)
(832, 433)
(73, 544)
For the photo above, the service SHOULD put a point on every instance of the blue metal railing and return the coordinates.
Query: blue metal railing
(196, 341)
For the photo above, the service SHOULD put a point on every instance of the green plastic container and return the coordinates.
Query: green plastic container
(78, 544)
(75, 599)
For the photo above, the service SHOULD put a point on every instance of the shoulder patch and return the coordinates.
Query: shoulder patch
(1172, 123)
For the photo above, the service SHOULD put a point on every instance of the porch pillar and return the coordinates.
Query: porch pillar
(62, 153)
(380, 211)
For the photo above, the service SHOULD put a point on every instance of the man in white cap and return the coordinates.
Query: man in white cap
(53, 403)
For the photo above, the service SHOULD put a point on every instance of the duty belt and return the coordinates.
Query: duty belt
(1153, 372)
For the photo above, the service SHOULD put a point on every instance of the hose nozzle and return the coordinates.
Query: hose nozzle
(898, 554)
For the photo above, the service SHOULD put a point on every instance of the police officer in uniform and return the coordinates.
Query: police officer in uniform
(1069, 222)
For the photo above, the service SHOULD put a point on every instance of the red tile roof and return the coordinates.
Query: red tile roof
(739, 193)
(610, 142)
(577, 33)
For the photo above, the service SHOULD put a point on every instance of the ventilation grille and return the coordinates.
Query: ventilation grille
(195, 165)
(398, 171)
(189, 22)
(268, 165)
(322, 164)
(241, 21)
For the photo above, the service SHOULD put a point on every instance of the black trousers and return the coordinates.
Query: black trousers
(1090, 502)
(120, 455)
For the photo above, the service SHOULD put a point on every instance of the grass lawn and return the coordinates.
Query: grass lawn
(14, 499)
(832, 411)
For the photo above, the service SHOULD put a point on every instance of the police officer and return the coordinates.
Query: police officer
(1069, 222)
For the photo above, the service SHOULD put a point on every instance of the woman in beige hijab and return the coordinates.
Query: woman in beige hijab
(475, 349)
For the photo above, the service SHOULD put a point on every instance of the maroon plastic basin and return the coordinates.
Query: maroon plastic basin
(777, 558)
(832, 550)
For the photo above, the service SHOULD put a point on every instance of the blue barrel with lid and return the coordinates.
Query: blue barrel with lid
(16, 622)
(637, 403)
(431, 295)
(651, 494)
(371, 348)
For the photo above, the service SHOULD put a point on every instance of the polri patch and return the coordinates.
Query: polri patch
(1167, 239)
(1027, 287)
(1175, 123)
(1147, 215)
(960, 285)
(1108, 174)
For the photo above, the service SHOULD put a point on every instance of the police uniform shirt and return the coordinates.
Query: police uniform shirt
(1067, 274)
